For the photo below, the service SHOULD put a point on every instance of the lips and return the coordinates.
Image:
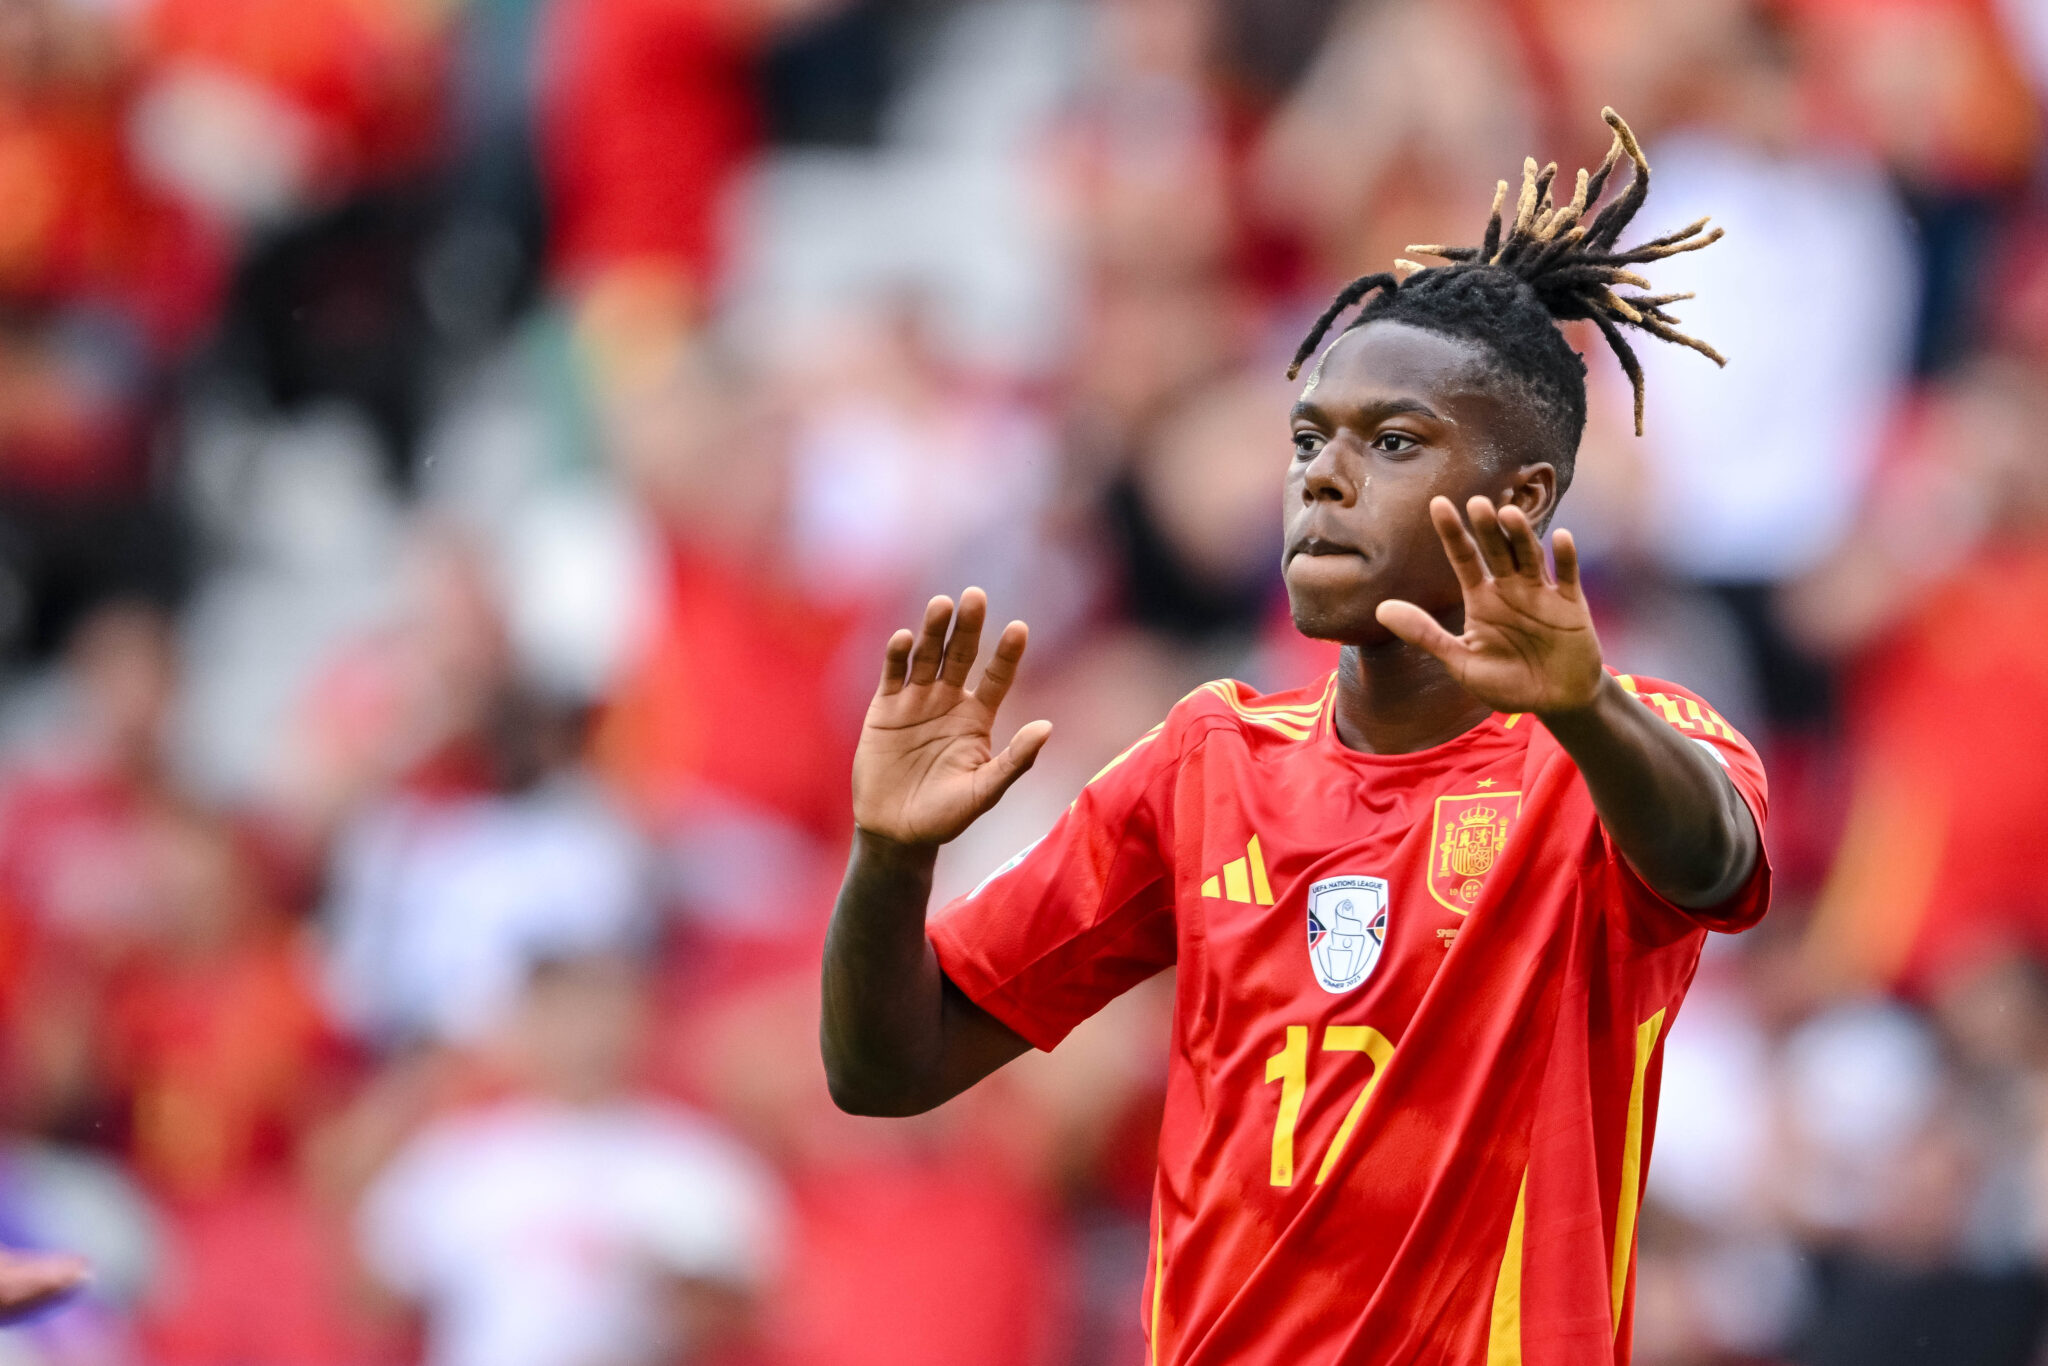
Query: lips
(1322, 545)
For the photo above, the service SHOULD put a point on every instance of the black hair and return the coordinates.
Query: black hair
(1548, 264)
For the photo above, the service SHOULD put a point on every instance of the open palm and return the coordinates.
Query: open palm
(926, 766)
(1528, 643)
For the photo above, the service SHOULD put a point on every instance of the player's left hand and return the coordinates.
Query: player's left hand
(1528, 643)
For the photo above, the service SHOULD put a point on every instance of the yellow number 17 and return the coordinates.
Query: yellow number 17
(1289, 1067)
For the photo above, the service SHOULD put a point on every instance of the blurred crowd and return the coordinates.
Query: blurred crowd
(459, 462)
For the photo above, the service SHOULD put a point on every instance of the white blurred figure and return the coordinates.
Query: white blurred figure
(1859, 1084)
(578, 1223)
(903, 469)
(470, 841)
(1714, 1148)
(1723, 1276)
(440, 904)
(1754, 471)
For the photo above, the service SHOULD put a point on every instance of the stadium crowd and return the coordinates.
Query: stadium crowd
(459, 463)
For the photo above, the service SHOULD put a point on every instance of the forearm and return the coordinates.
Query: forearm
(883, 993)
(1666, 803)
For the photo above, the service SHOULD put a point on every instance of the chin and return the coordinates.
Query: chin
(1346, 623)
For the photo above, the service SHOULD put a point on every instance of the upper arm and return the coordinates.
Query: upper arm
(1746, 795)
(1075, 920)
(977, 1043)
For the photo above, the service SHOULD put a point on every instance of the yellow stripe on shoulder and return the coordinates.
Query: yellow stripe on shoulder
(1143, 740)
(1284, 708)
(1294, 720)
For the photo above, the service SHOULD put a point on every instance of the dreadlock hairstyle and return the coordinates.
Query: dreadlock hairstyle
(1548, 263)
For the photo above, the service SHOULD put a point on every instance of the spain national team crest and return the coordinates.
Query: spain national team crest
(1466, 843)
(1347, 928)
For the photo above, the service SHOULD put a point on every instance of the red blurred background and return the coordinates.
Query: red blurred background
(459, 460)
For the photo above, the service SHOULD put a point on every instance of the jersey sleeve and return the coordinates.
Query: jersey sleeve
(1080, 916)
(1691, 716)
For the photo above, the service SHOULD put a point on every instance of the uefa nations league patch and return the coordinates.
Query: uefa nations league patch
(1347, 928)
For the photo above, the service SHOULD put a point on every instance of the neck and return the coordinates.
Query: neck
(1393, 698)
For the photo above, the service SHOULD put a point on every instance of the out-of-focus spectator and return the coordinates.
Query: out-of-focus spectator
(737, 636)
(1900, 1179)
(939, 1240)
(440, 901)
(1159, 215)
(1934, 86)
(575, 1222)
(255, 121)
(1194, 516)
(902, 468)
(216, 1036)
(74, 813)
(494, 849)
(1755, 470)
(1937, 89)
(1935, 868)
(88, 234)
(1443, 89)
(639, 84)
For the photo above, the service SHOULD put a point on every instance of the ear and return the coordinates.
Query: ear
(1533, 489)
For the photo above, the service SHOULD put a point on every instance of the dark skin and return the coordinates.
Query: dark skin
(1444, 621)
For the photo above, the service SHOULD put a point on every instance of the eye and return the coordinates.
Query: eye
(1306, 444)
(1395, 443)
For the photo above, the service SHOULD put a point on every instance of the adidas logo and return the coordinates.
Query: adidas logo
(1242, 879)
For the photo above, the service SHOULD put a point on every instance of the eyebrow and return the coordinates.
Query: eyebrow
(1370, 412)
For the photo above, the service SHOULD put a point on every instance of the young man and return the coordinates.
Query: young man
(1432, 914)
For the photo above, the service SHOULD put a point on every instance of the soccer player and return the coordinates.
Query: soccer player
(1433, 914)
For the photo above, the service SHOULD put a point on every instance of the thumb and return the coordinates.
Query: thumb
(1017, 757)
(1419, 628)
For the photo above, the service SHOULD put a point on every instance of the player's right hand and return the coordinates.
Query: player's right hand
(925, 768)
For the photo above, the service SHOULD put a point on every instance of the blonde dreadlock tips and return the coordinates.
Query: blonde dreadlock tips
(1564, 253)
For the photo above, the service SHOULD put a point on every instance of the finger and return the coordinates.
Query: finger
(1002, 666)
(1493, 546)
(1458, 544)
(966, 642)
(30, 1280)
(931, 642)
(1528, 551)
(1567, 551)
(1419, 628)
(895, 663)
(1017, 757)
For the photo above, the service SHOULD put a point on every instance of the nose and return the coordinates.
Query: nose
(1329, 477)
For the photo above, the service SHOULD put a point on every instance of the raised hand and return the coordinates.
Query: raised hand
(925, 768)
(1528, 643)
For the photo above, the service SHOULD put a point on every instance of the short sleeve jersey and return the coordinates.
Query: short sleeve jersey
(1417, 1032)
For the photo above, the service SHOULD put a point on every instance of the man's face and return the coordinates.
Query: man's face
(1392, 417)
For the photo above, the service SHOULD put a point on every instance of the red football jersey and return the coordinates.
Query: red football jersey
(1417, 1036)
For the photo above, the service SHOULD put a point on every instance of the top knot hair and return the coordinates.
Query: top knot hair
(1565, 254)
